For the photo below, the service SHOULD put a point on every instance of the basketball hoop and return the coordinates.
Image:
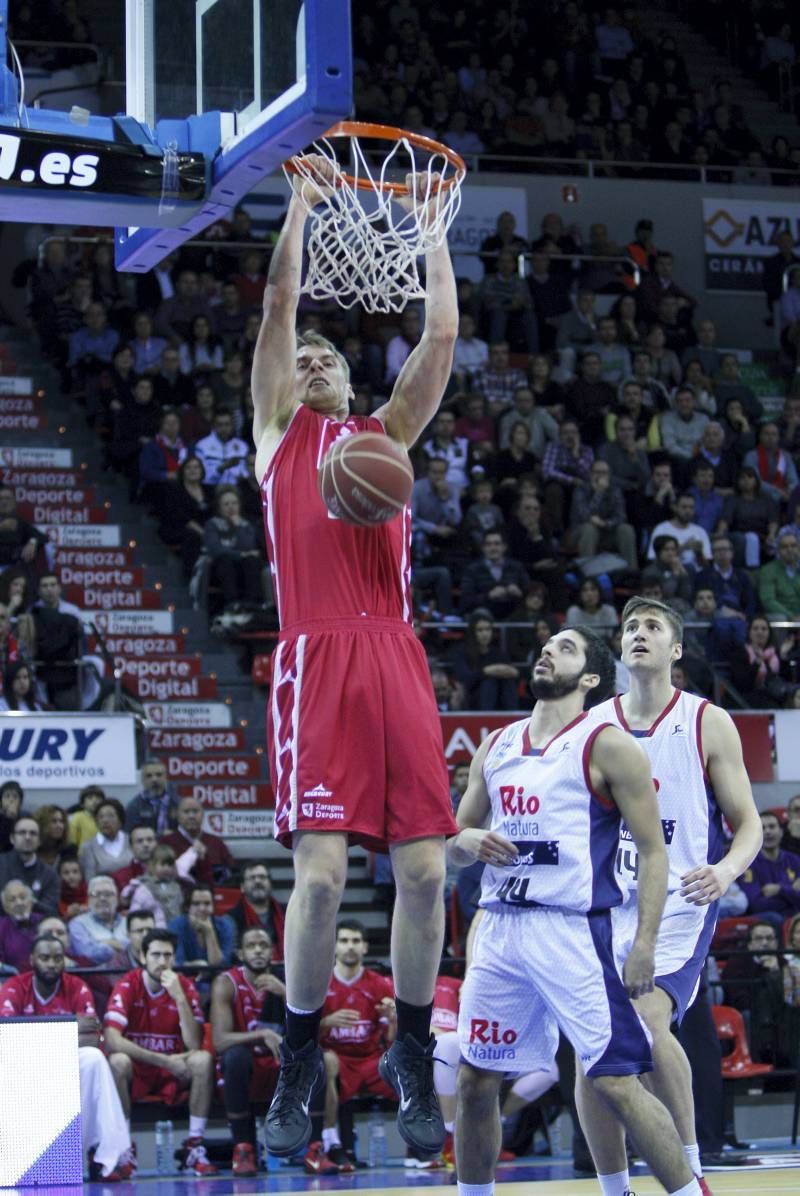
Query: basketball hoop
(371, 226)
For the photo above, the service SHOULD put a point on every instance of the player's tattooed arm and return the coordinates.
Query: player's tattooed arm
(734, 796)
(474, 841)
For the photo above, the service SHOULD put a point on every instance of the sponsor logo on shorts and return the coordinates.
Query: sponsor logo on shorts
(520, 830)
(488, 1041)
(318, 791)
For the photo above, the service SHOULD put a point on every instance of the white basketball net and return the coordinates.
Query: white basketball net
(363, 245)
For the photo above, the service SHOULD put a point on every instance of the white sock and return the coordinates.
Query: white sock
(330, 1138)
(692, 1153)
(475, 1189)
(197, 1126)
(614, 1185)
(692, 1189)
(449, 1126)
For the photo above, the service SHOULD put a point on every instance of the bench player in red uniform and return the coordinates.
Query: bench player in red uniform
(354, 734)
(247, 1018)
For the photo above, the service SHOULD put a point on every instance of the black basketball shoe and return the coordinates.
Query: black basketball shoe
(302, 1076)
(407, 1067)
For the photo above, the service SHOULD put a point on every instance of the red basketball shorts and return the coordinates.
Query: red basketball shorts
(355, 740)
(358, 1074)
(157, 1083)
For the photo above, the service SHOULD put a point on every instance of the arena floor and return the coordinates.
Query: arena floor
(775, 1170)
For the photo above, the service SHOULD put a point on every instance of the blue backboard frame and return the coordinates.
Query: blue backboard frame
(238, 162)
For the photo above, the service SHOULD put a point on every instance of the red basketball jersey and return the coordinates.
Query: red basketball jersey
(19, 998)
(364, 1037)
(444, 1017)
(322, 567)
(150, 1021)
(247, 1005)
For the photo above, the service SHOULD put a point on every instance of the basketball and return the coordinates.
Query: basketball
(365, 479)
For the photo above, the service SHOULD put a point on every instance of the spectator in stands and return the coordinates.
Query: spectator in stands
(779, 581)
(247, 1022)
(171, 387)
(229, 317)
(22, 863)
(157, 889)
(11, 795)
(774, 466)
(134, 426)
(236, 560)
(751, 518)
(142, 840)
(146, 348)
(708, 504)
(358, 1022)
(16, 592)
(565, 464)
(445, 445)
(507, 305)
(189, 509)
(91, 347)
(722, 634)
(74, 895)
(542, 427)
(682, 429)
(159, 462)
(475, 425)
(505, 237)
(731, 586)
(658, 284)
(18, 925)
(704, 351)
(615, 359)
(13, 649)
(100, 933)
(258, 907)
(202, 936)
(753, 983)
(250, 279)
(728, 385)
(109, 850)
(44, 989)
(53, 842)
(516, 460)
(400, 346)
(154, 1033)
(496, 582)
(598, 522)
(789, 428)
(529, 544)
(483, 514)
(589, 398)
(200, 354)
(591, 611)
(772, 882)
(484, 667)
(723, 460)
(577, 329)
(775, 268)
(138, 924)
(82, 826)
(435, 512)
(221, 450)
(156, 804)
(790, 839)
(757, 667)
(19, 540)
(470, 353)
(176, 314)
(667, 568)
(664, 366)
(498, 380)
(547, 393)
(18, 689)
(549, 289)
(626, 459)
(209, 862)
(693, 541)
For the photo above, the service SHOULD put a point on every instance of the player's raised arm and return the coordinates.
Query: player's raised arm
(422, 380)
(734, 796)
(473, 841)
(274, 360)
(624, 771)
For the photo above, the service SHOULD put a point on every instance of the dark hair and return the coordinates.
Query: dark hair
(662, 542)
(158, 935)
(198, 888)
(88, 790)
(748, 471)
(116, 806)
(15, 785)
(600, 660)
(249, 865)
(764, 619)
(352, 924)
(762, 922)
(6, 579)
(672, 616)
(140, 914)
(46, 938)
(250, 929)
(12, 672)
(185, 462)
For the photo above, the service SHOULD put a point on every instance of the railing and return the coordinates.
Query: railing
(630, 266)
(50, 50)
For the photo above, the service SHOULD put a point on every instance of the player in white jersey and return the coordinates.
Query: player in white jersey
(696, 759)
(542, 811)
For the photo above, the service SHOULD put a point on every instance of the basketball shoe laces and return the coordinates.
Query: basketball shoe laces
(418, 1072)
(294, 1082)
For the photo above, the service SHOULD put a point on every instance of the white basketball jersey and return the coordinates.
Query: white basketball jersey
(566, 835)
(690, 817)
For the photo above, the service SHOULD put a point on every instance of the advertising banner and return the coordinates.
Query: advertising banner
(105, 535)
(739, 235)
(477, 219)
(133, 622)
(67, 751)
(239, 824)
(188, 714)
(15, 384)
(38, 458)
(230, 796)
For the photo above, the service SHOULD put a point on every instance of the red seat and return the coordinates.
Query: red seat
(737, 1065)
(731, 932)
(262, 669)
(225, 899)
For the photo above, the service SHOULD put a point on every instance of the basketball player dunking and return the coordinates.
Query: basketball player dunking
(695, 756)
(354, 735)
(552, 790)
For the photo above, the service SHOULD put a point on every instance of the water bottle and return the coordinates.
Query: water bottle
(377, 1149)
(165, 1148)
